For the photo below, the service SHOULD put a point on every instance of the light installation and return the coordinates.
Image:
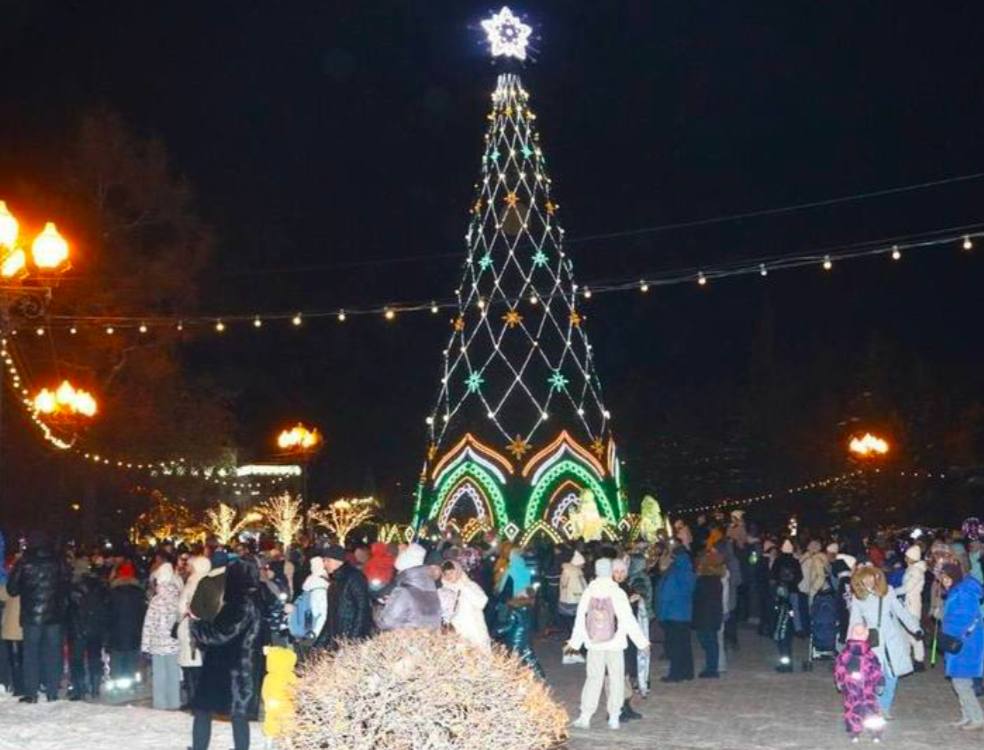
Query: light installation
(507, 35)
(519, 412)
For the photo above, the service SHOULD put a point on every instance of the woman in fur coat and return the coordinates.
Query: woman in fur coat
(232, 669)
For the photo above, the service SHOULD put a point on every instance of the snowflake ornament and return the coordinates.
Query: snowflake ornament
(507, 34)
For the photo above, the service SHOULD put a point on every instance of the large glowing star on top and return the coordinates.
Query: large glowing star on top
(507, 34)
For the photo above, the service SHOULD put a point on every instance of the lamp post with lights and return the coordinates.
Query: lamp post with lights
(300, 442)
(26, 281)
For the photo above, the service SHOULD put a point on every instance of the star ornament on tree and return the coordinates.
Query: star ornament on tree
(557, 381)
(512, 318)
(507, 35)
(518, 447)
(474, 382)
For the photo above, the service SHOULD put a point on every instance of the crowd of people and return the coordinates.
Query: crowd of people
(202, 614)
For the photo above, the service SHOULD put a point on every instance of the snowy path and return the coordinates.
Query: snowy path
(64, 725)
(750, 708)
(753, 708)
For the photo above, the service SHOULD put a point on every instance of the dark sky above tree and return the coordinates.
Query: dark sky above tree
(330, 142)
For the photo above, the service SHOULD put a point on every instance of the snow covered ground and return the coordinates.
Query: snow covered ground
(750, 708)
(64, 725)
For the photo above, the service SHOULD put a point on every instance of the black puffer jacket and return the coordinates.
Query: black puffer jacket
(42, 581)
(127, 606)
(708, 603)
(787, 572)
(232, 668)
(88, 609)
(349, 608)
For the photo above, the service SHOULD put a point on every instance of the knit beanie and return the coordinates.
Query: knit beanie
(412, 557)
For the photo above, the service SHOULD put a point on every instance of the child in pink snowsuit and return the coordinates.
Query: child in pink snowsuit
(859, 678)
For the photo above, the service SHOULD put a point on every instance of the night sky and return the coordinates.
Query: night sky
(332, 144)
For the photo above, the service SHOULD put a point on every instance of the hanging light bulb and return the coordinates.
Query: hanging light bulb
(896, 253)
(643, 287)
(257, 322)
(143, 328)
(587, 293)
(40, 331)
(219, 326)
(341, 316)
(763, 271)
(110, 330)
(434, 308)
(827, 263)
(701, 278)
(180, 326)
(967, 244)
(389, 314)
(296, 320)
(73, 330)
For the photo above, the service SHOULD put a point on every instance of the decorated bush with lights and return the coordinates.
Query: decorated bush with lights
(520, 429)
(422, 690)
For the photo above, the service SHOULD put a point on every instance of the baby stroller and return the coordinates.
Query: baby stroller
(823, 634)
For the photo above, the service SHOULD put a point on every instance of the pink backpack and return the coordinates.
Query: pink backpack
(600, 620)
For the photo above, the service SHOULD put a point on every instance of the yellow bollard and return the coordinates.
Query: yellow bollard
(278, 694)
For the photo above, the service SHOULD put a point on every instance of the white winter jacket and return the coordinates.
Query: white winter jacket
(317, 584)
(912, 586)
(188, 655)
(468, 613)
(626, 624)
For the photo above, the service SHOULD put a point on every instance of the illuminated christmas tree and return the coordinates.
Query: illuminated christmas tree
(519, 429)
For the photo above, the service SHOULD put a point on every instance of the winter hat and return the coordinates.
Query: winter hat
(833, 548)
(859, 632)
(333, 552)
(412, 557)
(914, 553)
(787, 547)
(317, 566)
(603, 568)
(220, 558)
(577, 559)
(434, 557)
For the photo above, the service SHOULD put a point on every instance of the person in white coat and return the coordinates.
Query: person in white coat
(604, 623)
(161, 617)
(572, 585)
(816, 570)
(467, 607)
(913, 583)
(317, 584)
(189, 655)
(876, 606)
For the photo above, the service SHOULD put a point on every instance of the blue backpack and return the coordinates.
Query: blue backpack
(301, 619)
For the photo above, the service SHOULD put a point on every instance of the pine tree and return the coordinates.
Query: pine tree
(518, 372)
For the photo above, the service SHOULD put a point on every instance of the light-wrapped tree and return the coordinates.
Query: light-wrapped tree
(343, 516)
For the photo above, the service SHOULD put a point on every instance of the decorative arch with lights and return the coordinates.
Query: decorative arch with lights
(519, 404)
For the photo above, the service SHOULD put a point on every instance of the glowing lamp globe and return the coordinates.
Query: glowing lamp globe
(14, 265)
(8, 227)
(50, 250)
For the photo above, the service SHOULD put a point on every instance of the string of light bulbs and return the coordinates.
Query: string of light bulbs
(176, 467)
(797, 489)
(825, 259)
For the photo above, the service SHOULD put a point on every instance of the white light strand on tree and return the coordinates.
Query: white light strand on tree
(518, 349)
